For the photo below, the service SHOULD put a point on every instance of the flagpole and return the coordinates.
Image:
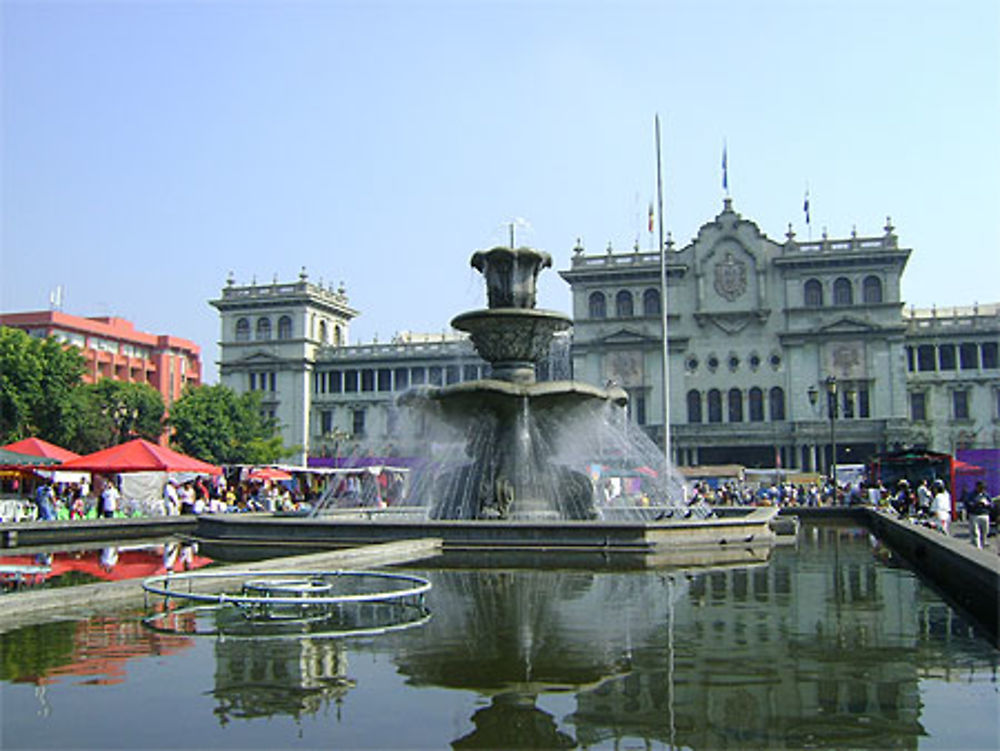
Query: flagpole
(663, 304)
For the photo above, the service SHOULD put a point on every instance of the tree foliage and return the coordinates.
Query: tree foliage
(38, 380)
(218, 425)
(111, 412)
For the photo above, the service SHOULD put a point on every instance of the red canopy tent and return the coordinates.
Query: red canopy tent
(38, 447)
(269, 473)
(139, 455)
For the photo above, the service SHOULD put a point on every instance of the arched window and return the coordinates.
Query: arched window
(263, 329)
(323, 336)
(284, 327)
(242, 330)
(756, 397)
(338, 336)
(715, 406)
(651, 302)
(623, 304)
(597, 305)
(843, 292)
(871, 289)
(735, 405)
(777, 404)
(694, 406)
(813, 293)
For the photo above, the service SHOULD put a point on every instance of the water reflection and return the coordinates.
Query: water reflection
(828, 644)
(292, 677)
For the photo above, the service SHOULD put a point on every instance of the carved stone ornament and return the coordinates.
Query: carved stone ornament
(625, 368)
(731, 277)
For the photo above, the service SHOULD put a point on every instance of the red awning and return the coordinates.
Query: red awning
(268, 473)
(139, 456)
(38, 447)
(964, 468)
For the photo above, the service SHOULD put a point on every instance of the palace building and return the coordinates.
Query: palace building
(778, 353)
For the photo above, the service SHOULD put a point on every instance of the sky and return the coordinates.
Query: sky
(149, 149)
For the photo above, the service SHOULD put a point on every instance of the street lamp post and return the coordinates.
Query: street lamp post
(831, 406)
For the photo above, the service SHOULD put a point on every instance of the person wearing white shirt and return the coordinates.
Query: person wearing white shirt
(109, 496)
(941, 506)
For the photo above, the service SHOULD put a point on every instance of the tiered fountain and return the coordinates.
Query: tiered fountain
(513, 424)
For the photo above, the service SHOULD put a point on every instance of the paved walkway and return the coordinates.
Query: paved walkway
(960, 531)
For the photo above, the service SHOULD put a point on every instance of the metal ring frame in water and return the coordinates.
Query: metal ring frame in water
(278, 604)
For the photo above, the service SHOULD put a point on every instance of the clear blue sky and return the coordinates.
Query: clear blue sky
(150, 148)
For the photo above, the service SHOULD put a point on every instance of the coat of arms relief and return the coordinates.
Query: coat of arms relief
(731, 277)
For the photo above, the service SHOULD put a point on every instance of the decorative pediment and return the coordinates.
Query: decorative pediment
(732, 323)
(848, 325)
(628, 336)
(258, 358)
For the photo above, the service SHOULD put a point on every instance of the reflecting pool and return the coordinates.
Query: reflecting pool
(828, 644)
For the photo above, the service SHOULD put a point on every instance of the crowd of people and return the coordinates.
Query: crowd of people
(105, 498)
(928, 502)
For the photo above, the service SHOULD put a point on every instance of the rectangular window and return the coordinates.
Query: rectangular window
(918, 406)
(848, 404)
(864, 405)
(969, 356)
(640, 409)
(989, 354)
(418, 376)
(335, 381)
(358, 422)
(351, 381)
(960, 404)
(452, 374)
(272, 379)
(946, 357)
(384, 379)
(326, 422)
(435, 375)
(470, 373)
(253, 381)
(925, 357)
(319, 383)
(402, 379)
(367, 379)
(909, 359)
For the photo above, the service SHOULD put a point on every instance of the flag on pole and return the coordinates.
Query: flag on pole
(805, 206)
(652, 216)
(725, 168)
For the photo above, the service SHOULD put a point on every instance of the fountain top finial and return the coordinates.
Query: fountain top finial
(511, 275)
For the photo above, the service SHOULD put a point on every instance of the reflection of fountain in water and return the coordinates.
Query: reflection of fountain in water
(506, 447)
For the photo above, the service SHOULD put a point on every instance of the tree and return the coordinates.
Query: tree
(38, 381)
(217, 425)
(110, 412)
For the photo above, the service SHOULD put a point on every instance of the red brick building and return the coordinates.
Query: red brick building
(113, 348)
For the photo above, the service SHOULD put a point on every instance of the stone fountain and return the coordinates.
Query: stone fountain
(510, 420)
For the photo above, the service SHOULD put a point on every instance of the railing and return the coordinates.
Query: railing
(281, 290)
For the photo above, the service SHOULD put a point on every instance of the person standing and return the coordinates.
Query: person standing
(978, 507)
(941, 506)
(45, 499)
(109, 500)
